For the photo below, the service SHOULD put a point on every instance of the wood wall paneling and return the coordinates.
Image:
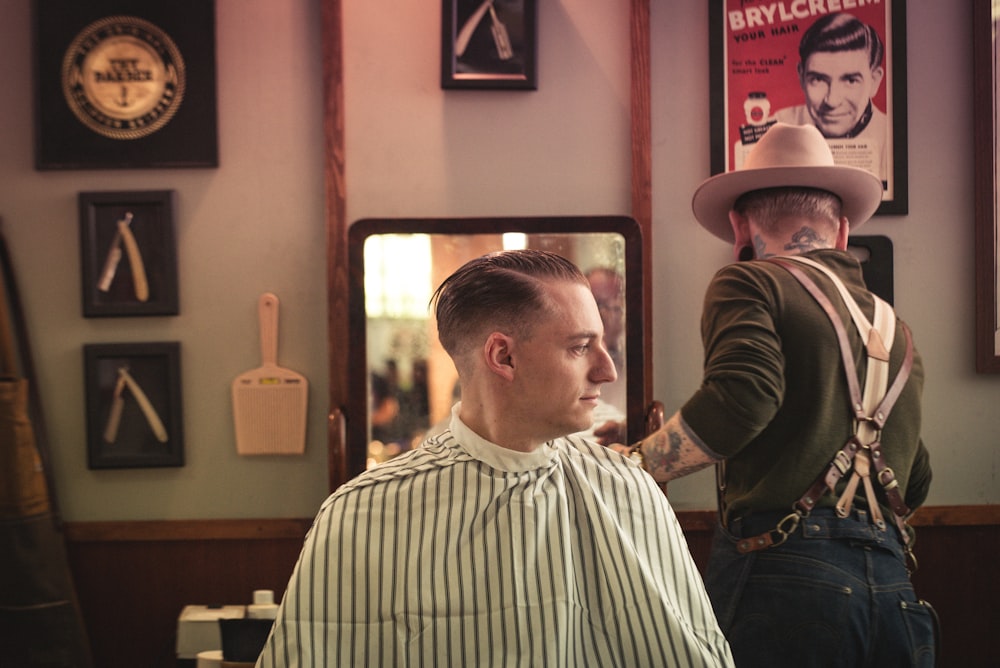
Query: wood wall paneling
(133, 578)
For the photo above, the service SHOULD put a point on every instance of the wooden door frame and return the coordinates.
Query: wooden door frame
(337, 224)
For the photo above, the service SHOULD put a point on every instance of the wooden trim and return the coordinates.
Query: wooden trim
(170, 530)
(283, 528)
(984, 126)
(956, 516)
(642, 171)
(338, 333)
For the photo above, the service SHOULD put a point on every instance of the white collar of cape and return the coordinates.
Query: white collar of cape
(497, 456)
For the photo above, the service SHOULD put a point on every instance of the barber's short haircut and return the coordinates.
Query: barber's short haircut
(841, 32)
(502, 291)
(769, 206)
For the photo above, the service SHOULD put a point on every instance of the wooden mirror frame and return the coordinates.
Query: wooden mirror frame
(546, 229)
(331, 18)
(984, 107)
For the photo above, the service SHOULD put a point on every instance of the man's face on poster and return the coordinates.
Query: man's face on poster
(837, 87)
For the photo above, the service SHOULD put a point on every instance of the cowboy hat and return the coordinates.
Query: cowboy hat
(787, 155)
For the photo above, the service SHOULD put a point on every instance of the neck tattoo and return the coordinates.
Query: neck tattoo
(806, 239)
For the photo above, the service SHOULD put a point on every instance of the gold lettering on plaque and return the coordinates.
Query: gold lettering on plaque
(123, 77)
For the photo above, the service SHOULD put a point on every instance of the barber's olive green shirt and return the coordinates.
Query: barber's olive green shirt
(774, 399)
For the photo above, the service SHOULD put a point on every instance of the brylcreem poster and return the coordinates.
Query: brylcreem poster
(825, 62)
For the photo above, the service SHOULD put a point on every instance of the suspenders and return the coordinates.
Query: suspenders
(862, 454)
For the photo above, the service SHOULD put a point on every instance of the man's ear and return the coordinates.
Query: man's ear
(741, 237)
(843, 233)
(877, 74)
(497, 353)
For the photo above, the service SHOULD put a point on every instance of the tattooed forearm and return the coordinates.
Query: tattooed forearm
(662, 451)
(670, 452)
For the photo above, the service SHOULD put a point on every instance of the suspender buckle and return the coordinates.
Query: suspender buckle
(887, 478)
(842, 461)
(773, 538)
(787, 526)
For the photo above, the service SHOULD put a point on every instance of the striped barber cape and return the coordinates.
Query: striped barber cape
(464, 553)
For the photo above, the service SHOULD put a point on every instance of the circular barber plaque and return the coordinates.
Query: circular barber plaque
(123, 77)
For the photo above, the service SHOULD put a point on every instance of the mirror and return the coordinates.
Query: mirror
(402, 383)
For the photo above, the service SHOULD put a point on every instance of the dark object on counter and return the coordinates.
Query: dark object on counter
(243, 639)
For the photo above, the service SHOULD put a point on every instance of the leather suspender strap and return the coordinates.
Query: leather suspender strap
(845, 457)
(885, 475)
(846, 356)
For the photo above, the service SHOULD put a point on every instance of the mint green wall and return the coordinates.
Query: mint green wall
(256, 223)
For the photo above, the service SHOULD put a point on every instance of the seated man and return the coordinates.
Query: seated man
(501, 541)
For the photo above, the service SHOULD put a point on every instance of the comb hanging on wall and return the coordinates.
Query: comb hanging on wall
(269, 402)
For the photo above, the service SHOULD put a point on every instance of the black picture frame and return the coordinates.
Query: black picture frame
(874, 252)
(489, 44)
(95, 109)
(113, 269)
(753, 53)
(145, 430)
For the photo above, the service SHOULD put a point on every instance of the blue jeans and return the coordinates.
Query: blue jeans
(836, 593)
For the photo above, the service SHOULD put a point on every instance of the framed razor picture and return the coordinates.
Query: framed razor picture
(123, 84)
(843, 71)
(129, 262)
(489, 44)
(133, 394)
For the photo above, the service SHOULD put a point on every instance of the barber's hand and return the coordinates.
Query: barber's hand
(620, 448)
(611, 432)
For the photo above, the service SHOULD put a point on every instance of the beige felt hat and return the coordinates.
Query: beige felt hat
(787, 155)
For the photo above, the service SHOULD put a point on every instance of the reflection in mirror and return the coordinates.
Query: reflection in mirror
(403, 384)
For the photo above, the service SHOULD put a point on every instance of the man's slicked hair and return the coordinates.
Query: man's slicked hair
(841, 32)
(501, 291)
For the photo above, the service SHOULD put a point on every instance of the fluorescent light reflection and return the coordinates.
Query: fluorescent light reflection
(397, 275)
(515, 240)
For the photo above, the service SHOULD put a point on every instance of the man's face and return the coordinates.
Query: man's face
(559, 370)
(837, 88)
